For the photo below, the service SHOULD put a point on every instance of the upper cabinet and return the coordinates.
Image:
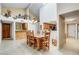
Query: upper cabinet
(21, 27)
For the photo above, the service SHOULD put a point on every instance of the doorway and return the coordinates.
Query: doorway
(71, 30)
(6, 31)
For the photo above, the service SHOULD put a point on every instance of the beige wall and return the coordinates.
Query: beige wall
(62, 36)
(0, 8)
(0, 25)
(0, 32)
(67, 7)
(14, 11)
(63, 8)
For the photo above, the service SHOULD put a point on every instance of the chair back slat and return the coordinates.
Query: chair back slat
(47, 35)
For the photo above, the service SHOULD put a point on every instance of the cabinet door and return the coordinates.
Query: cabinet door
(5, 30)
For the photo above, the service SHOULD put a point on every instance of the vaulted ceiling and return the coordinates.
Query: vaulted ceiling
(34, 7)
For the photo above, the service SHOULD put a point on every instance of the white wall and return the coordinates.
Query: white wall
(48, 13)
(67, 7)
(33, 26)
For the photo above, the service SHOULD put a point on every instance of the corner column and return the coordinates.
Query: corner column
(13, 27)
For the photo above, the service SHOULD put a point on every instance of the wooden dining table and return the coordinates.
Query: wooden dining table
(38, 38)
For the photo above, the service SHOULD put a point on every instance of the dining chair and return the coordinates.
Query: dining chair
(32, 40)
(28, 37)
(46, 40)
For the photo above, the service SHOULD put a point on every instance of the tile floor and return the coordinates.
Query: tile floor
(19, 47)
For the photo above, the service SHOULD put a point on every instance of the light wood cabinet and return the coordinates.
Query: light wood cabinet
(21, 35)
(21, 27)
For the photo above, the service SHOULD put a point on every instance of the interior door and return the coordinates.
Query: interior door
(72, 30)
(5, 30)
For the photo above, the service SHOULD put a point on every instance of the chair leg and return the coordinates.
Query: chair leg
(33, 45)
(27, 42)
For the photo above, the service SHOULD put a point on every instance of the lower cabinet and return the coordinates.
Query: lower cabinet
(20, 35)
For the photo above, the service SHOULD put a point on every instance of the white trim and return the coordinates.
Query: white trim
(58, 32)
